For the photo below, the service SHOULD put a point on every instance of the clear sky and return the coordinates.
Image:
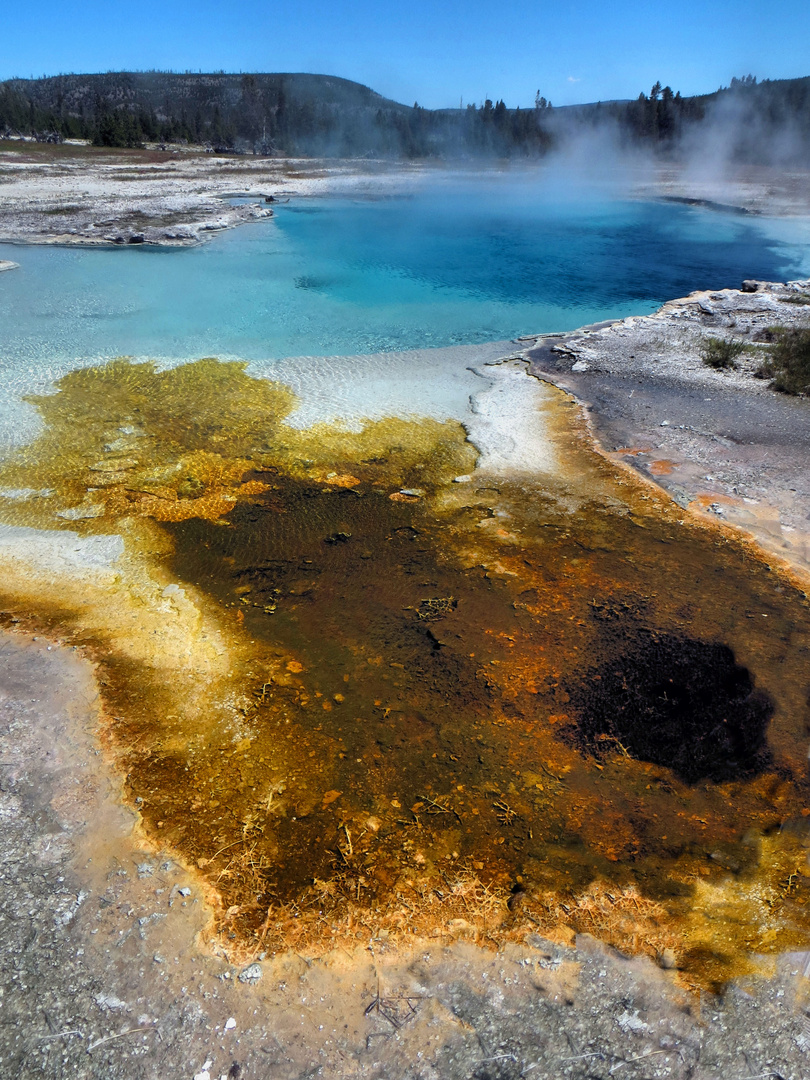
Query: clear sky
(436, 52)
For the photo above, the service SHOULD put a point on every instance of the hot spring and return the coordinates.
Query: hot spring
(340, 277)
(383, 644)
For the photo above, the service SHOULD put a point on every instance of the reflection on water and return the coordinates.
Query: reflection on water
(396, 703)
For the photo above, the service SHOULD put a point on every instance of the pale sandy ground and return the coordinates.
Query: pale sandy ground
(101, 973)
(93, 198)
(753, 189)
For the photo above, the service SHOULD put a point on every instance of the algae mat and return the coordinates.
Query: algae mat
(398, 680)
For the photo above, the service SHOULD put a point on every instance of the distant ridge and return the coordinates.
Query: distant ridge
(325, 115)
(193, 90)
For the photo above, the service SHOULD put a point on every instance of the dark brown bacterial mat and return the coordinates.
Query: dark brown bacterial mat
(363, 700)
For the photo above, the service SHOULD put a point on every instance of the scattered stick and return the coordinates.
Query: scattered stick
(505, 814)
(641, 1057)
(227, 846)
(120, 1035)
(379, 1005)
(764, 1076)
(154, 494)
(435, 807)
(548, 772)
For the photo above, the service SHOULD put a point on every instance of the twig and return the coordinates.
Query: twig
(120, 1035)
(764, 1076)
(377, 1035)
(641, 1057)
(438, 808)
(504, 812)
(379, 1005)
(59, 1035)
(154, 494)
(548, 772)
(240, 841)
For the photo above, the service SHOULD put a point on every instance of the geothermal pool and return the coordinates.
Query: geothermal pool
(340, 277)
(446, 671)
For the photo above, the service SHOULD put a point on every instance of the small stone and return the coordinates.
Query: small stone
(110, 1001)
(251, 974)
(667, 959)
(230, 1024)
(185, 892)
(580, 365)
(465, 478)
(749, 286)
(460, 927)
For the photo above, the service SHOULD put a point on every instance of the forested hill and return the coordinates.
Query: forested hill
(317, 115)
(280, 113)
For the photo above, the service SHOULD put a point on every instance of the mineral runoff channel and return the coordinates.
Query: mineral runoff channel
(455, 674)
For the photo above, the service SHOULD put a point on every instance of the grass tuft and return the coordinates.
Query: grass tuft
(788, 363)
(720, 353)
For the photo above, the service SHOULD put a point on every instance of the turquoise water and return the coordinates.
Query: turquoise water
(347, 276)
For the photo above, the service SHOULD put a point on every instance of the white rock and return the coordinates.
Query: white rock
(110, 1001)
(251, 974)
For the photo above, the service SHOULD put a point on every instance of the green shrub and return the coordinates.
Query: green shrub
(721, 353)
(788, 364)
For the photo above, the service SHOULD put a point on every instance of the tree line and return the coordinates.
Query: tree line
(311, 115)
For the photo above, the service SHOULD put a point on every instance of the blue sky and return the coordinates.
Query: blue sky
(436, 52)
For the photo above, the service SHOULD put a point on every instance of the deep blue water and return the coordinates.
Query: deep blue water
(345, 276)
